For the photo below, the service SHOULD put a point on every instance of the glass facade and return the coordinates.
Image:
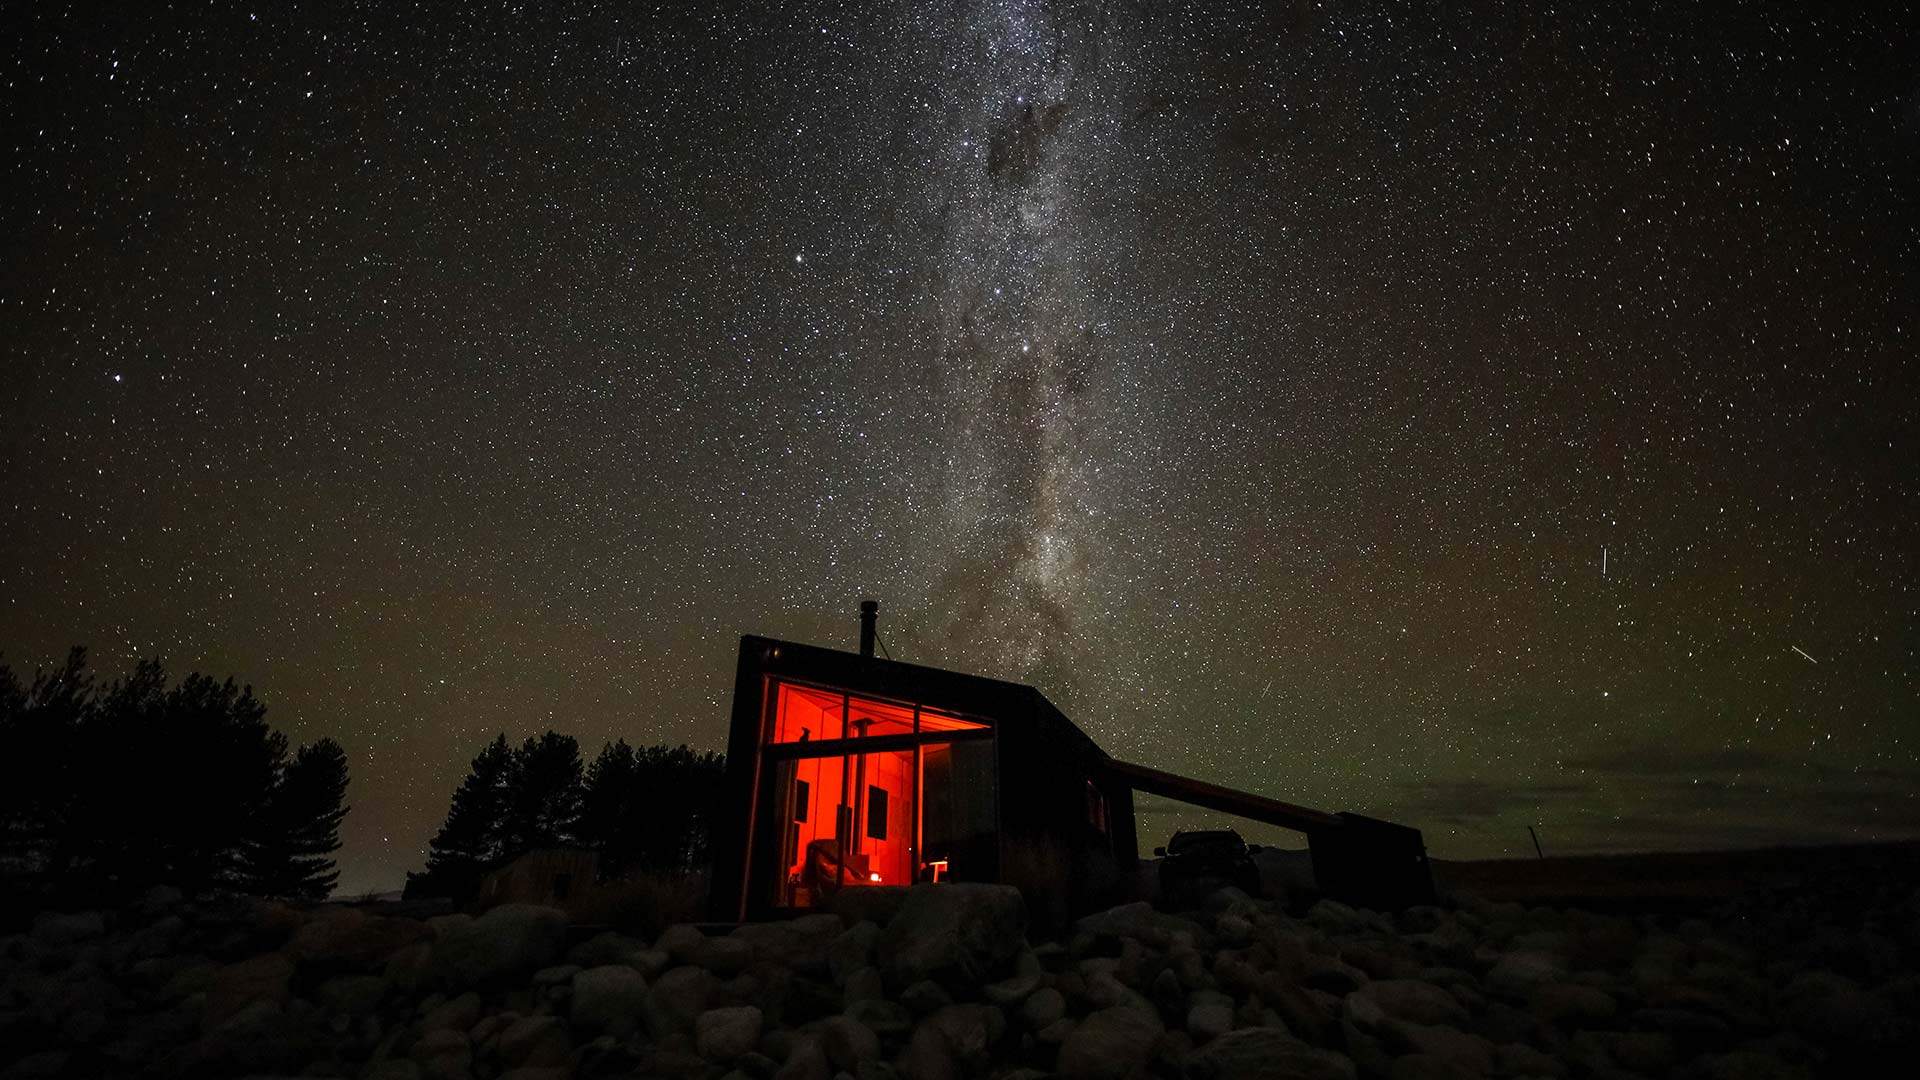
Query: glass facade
(920, 809)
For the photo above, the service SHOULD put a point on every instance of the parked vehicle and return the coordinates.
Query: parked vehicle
(1196, 862)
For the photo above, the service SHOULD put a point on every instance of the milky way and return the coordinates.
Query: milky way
(1262, 382)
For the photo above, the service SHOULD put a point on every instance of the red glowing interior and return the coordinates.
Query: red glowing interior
(854, 819)
(807, 714)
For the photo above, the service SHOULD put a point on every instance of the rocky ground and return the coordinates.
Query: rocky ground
(946, 984)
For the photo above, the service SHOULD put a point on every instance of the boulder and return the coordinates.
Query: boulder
(1138, 921)
(236, 986)
(1519, 1059)
(409, 969)
(852, 950)
(1553, 1002)
(796, 944)
(508, 941)
(848, 1042)
(1330, 973)
(443, 1054)
(875, 904)
(1111, 1044)
(1209, 1020)
(1260, 1053)
(1334, 917)
(538, 1041)
(609, 998)
(683, 943)
(557, 975)
(1517, 973)
(64, 930)
(727, 955)
(1012, 991)
(351, 995)
(603, 949)
(863, 985)
(961, 934)
(885, 1018)
(1468, 1051)
(677, 997)
(339, 940)
(925, 996)
(1043, 1007)
(1410, 999)
(459, 1014)
(724, 1034)
(969, 1032)
(926, 1057)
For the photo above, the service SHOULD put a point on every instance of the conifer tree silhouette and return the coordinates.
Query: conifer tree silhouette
(300, 830)
(472, 838)
(104, 792)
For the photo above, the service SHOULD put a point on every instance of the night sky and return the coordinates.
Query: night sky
(1262, 382)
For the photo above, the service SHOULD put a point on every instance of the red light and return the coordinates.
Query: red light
(873, 877)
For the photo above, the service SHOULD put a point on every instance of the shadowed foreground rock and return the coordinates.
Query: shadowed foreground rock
(949, 988)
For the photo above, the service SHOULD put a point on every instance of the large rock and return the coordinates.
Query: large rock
(340, 940)
(1409, 999)
(1516, 973)
(884, 1018)
(1112, 1044)
(961, 934)
(609, 998)
(724, 1034)
(60, 930)
(848, 1042)
(603, 949)
(1138, 921)
(1209, 1020)
(1047, 1005)
(677, 997)
(510, 940)
(536, 1041)
(1260, 1053)
(351, 995)
(852, 950)
(409, 969)
(1473, 1053)
(256, 979)
(1553, 1002)
(682, 942)
(969, 1033)
(458, 1014)
(799, 945)
(443, 1054)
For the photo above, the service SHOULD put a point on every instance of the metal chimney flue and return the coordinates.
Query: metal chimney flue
(869, 615)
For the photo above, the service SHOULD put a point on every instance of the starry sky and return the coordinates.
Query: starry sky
(1475, 415)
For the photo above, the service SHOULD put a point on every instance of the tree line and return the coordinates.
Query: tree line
(648, 809)
(107, 790)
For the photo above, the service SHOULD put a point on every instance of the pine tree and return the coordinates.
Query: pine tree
(301, 828)
(471, 839)
(39, 729)
(543, 809)
(606, 808)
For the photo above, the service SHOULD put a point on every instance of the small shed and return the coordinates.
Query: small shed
(847, 771)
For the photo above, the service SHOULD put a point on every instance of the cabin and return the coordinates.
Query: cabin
(846, 771)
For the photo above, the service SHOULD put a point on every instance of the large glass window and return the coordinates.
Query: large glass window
(922, 811)
(810, 714)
